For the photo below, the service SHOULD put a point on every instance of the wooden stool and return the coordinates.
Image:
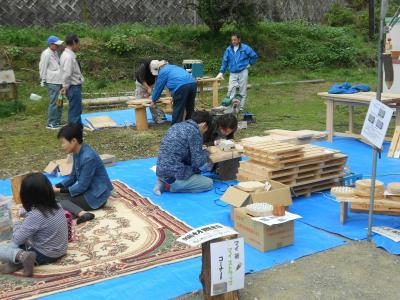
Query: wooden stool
(141, 116)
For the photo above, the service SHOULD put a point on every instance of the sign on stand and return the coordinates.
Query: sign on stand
(376, 123)
(205, 233)
(227, 266)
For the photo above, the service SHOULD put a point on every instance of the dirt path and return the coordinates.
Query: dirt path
(357, 270)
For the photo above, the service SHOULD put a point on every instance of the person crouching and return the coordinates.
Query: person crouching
(182, 155)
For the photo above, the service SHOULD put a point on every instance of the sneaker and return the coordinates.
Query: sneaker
(53, 127)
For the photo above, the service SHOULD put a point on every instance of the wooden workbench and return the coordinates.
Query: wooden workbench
(352, 100)
(214, 82)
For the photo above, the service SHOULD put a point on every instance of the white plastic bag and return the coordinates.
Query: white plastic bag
(6, 224)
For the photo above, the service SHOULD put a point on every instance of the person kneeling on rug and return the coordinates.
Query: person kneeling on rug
(42, 237)
(88, 187)
(182, 155)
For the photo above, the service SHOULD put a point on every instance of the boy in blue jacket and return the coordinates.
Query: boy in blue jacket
(237, 59)
(88, 187)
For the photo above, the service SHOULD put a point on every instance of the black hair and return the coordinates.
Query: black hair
(237, 34)
(227, 121)
(71, 39)
(37, 192)
(201, 117)
(70, 132)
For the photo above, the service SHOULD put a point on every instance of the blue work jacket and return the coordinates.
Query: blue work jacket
(237, 61)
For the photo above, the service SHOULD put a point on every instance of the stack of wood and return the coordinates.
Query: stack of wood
(389, 204)
(305, 168)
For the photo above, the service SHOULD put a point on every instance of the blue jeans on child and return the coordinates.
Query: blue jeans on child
(9, 251)
(194, 184)
(54, 112)
(74, 95)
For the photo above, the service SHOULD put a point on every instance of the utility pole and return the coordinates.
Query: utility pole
(371, 19)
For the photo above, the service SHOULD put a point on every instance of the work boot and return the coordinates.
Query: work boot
(9, 268)
(28, 259)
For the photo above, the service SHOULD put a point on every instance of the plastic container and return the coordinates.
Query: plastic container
(6, 223)
(35, 97)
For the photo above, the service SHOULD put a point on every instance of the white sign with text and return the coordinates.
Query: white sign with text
(227, 266)
(377, 122)
(205, 233)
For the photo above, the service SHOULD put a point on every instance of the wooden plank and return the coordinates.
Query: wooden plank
(394, 146)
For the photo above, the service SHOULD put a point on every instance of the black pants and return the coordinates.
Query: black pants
(184, 98)
(73, 204)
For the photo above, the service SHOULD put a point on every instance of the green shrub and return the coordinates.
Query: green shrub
(13, 52)
(8, 108)
(339, 15)
(119, 44)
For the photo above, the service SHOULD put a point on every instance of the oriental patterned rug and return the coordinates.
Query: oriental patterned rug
(130, 234)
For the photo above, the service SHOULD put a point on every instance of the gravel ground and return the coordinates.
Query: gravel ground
(357, 270)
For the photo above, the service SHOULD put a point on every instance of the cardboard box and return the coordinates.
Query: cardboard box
(261, 236)
(279, 194)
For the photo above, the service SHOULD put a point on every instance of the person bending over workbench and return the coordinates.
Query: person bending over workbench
(144, 82)
(222, 128)
(180, 83)
(182, 155)
(88, 187)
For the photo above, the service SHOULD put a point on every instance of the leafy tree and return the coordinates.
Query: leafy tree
(216, 13)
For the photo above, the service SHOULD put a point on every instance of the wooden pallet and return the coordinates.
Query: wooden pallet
(394, 150)
(308, 189)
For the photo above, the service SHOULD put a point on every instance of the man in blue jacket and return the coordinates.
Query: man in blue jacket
(182, 155)
(88, 186)
(237, 59)
(180, 83)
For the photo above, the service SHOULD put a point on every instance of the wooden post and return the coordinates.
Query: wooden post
(397, 114)
(351, 118)
(205, 275)
(329, 118)
(215, 87)
(141, 118)
(344, 208)
(201, 90)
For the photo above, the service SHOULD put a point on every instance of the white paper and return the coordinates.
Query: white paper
(205, 233)
(390, 233)
(227, 266)
(376, 122)
(153, 168)
(274, 220)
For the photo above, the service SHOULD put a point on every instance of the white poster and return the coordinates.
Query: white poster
(376, 122)
(227, 266)
(390, 233)
(274, 220)
(205, 233)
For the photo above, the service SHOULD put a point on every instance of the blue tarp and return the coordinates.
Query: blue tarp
(123, 118)
(195, 209)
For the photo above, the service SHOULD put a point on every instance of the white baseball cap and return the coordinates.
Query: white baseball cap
(155, 66)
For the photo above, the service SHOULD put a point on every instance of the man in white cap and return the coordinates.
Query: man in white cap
(50, 76)
(180, 83)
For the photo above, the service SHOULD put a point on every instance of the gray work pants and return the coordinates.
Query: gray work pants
(239, 80)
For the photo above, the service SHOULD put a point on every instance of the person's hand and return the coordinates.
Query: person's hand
(203, 127)
(43, 83)
(152, 104)
(63, 91)
(56, 190)
(219, 76)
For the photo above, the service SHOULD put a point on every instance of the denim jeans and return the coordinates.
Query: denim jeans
(54, 112)
(184, 100)
(194, 184)
(74, 95)
(9, 251)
